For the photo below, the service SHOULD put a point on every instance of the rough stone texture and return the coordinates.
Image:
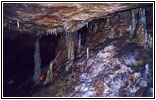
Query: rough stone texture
(107, 76)
(43, 18)
(117, 65)
(100, 33)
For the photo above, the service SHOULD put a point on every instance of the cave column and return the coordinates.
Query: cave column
(37, 62)
(72, 55)
(68, 44)
(70, 51)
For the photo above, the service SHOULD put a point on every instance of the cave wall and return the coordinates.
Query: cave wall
(119, 27)
(123, 36)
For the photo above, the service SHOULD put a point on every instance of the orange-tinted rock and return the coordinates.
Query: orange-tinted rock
(33, 16)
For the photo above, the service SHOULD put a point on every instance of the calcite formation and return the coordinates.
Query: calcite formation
(52, 18)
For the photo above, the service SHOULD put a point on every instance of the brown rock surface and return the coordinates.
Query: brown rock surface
(38, 18)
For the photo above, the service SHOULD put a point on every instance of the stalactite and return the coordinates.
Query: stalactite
(72, 55)
(95, 28)
(107, 21)
(141, 32)
(87, 24)
(18, 25)
(37, 62)
(70, 49)
(107, 26)
(53, 31)
(68, 44)
(79, 43)
(75, 38)
(143, 22)
(133, 23)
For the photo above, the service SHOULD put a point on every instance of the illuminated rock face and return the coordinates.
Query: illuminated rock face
(109, 76)
(46, 18)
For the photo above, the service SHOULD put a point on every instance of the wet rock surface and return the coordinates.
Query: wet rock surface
(117, 65)
(109, 76)
(104, 74)
(49, 18)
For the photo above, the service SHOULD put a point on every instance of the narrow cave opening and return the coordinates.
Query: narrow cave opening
(48, 45)
(18, 60)
(84, 37)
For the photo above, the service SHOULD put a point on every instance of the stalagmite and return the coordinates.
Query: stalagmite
(37, 62)
(87, 53)
(49, 75)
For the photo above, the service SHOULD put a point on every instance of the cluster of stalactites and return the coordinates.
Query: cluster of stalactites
(73, 45)
(143, 38)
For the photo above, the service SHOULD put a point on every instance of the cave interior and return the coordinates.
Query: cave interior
(67, 60)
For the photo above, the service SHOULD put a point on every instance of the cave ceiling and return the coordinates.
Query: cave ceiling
(42, 18)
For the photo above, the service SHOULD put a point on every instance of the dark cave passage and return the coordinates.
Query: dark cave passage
(18, 61)
(48, 46)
